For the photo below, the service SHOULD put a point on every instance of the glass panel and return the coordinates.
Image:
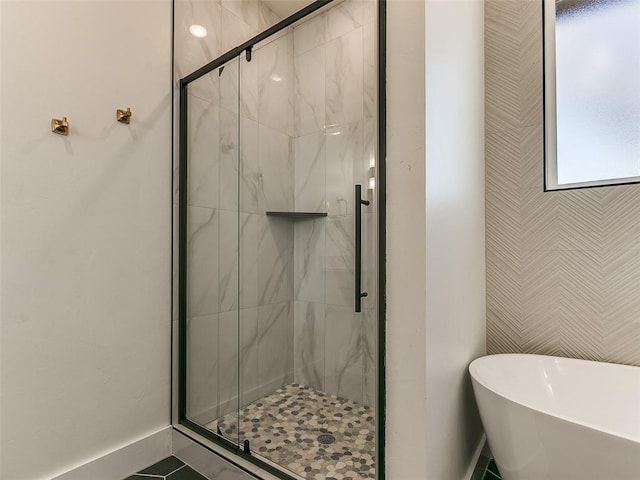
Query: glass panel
(213, 258)
(308, 136)
(597, 95)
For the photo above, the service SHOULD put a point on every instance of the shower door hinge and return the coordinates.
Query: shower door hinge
(248, 53)
(245, 447)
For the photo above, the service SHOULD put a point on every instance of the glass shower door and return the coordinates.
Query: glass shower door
(212, 251)
(308, 354)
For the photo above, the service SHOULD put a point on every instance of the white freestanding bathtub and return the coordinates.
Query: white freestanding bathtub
(559, 418)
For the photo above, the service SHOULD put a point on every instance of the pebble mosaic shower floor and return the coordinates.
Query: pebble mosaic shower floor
(313, 434)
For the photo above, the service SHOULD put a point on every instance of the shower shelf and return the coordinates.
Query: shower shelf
(294, 215)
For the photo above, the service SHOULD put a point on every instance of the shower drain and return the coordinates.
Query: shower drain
(326, 439)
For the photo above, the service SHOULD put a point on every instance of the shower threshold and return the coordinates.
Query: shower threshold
(313, 434)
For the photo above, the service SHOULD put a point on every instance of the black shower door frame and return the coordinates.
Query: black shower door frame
(182, 238)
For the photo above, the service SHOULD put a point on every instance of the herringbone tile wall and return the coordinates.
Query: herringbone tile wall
(563, 268)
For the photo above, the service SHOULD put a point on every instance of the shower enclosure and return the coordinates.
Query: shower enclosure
(279, 231)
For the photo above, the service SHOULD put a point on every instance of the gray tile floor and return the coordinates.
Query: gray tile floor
(171, 468)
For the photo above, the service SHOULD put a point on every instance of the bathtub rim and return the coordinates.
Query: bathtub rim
(473, 367)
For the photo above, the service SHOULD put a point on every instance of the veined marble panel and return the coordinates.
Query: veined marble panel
(276, 81)
(310, 172)
(229, 76)
(344, 157)
(229, 160)
(249, 88)
(275, 170)
(309, 108)
(202, 261)
(275, 260)
(370, 71)
(249, 227)
(234, 30)
(228, 245)
(309, 34)
(202, 368)
(369, 355)
(249, 380)
(369, 255)
(203, 150)
(308, 344)
(343, 18)
(192, 52)
(344, 84)
(250, 179)
(275, 346)
(228, 334)
(343, 353)
(309, 253)
(339, 277)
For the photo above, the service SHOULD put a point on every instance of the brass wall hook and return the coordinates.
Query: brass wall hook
(124, 116)
(61, 127)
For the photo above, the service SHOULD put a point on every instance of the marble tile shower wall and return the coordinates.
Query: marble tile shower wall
(334, 147)
(226, 216)
(305, 117)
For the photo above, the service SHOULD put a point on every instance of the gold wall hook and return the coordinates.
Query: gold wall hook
(61, 127)
(124, 116)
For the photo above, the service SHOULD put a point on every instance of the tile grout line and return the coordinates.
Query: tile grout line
(171, 473)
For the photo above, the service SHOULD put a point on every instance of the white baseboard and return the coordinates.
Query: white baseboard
(125, 460)
(475, 458)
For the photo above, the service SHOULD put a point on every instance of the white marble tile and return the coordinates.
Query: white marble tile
(339, 264)
(234, 31)
(249, 88)
(363, 172)
(276, 170)
(344, 85)
(369, 356)
(249, 226)
(309, 34)
(344, 155)
(202, 368)
(343, 18)
(229, 159)
(228, 245)
(206, 88)
(250, 180)
(266, 17)
(369, 11)
(275, 346)
(192, 52)
(276, 92)
(229, 80)
(370, 72)
(245, 10)
(228, 334)
(308, 344)
(309, 153)
(369, 258)
(309, 269)
(202, 261)
(343, 353)
(203, 151)
(275, 260)
(309, 105)
(249, 356)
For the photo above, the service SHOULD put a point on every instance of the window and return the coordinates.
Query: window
(592, 92)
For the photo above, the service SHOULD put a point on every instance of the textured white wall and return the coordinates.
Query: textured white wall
(86, 232)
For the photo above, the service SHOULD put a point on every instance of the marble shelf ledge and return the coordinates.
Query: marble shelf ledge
(295, 215)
